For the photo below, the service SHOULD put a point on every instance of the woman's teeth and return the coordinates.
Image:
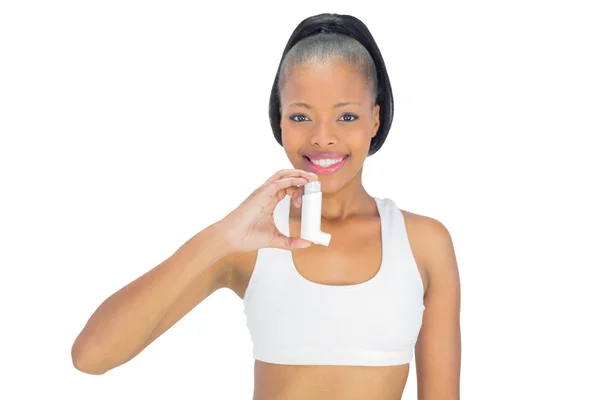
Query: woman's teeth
(326, 162)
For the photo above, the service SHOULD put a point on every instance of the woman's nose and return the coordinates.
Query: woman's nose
(324, 136)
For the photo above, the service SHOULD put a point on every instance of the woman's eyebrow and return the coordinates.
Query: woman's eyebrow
(346, 103)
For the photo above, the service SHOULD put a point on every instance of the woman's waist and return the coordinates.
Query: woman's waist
(275, 381)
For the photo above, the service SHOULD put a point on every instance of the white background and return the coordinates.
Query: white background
(127, 127)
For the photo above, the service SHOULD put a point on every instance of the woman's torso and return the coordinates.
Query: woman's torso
(354, 257)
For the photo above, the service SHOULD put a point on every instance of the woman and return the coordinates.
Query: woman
(336, 321)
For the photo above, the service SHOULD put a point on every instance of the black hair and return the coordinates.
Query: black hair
(320, 28)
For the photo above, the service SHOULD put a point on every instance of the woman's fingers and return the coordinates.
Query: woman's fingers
(296, 199)
(296, 193)
(276, 191)
(288, 184)
(251, 224)
(287, 173)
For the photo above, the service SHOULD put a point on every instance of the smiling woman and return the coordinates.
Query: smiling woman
(321, 134)
(335, 321)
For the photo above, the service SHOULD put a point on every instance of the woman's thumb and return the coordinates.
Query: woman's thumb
(281, 241)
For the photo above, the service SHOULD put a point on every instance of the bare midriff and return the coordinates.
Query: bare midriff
(323, 382)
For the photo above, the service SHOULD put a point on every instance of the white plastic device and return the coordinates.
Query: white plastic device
(310, 224)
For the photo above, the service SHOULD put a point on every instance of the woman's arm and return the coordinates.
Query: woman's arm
(438, 349)
(130, 319)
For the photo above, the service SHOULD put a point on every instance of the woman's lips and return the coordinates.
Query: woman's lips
(328, 161)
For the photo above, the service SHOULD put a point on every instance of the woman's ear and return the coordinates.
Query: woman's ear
(375, 120)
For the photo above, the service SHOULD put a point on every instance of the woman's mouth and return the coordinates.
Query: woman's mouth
(320, 163)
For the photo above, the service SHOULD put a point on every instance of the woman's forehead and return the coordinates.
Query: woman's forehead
(324, 84)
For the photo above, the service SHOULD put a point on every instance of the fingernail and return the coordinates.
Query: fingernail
(304, 245)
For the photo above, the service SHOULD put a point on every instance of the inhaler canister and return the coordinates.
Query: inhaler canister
(310, 225)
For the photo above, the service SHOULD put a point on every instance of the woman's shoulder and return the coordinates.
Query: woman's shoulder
(429, 239)
(423, 225)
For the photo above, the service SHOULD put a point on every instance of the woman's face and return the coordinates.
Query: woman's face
(327, 122)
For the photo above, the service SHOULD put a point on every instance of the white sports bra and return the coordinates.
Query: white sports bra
(295, 321)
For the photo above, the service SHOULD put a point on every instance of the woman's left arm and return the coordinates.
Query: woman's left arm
(438, 349)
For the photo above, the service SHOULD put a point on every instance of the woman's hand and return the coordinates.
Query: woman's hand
(251, 226)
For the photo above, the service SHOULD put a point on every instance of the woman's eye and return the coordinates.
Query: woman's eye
(298, 118)
(349, 117)
(303, 118)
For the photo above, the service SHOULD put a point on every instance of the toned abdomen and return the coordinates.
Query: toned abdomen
(300, 382)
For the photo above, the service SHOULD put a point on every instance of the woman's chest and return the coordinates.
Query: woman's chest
(353, 256)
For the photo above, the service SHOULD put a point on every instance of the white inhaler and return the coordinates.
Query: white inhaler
(310, 224)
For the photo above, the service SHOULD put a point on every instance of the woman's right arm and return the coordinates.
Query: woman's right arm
(130, 319)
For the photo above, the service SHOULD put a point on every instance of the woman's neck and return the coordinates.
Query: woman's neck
(351, 200)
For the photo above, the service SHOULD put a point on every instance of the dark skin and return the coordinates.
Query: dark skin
(354, 254)
(223, 256)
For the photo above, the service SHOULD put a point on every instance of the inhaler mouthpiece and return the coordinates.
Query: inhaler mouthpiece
(310, 225)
